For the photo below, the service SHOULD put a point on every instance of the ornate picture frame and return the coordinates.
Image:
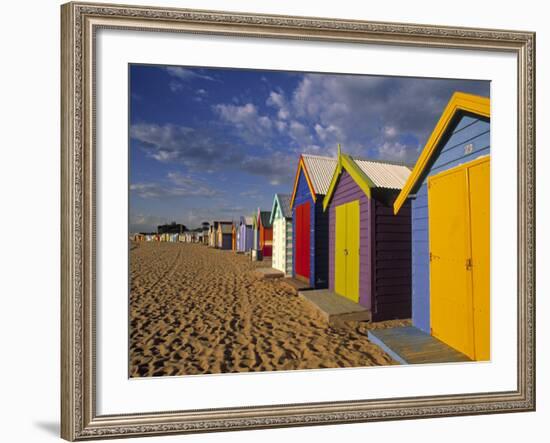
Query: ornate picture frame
(80, 22)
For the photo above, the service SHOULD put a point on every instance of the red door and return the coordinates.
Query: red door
(302, 240)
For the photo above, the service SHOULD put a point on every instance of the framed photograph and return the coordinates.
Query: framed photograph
(277, 221)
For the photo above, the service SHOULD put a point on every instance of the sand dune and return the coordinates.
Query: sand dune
(196, 310)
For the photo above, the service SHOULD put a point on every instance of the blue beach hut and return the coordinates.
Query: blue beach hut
(309, 221)
(246, 236)
(449, 190)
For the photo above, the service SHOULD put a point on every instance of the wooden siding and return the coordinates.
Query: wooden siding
(346, 191)
(225, 241)
(319, 251)
(288, 247)
(282, 244)
(245, 238)
(266, 241)
(318, 277)
(467, 131)
(392, 261)
(278, 256)
(384, 254)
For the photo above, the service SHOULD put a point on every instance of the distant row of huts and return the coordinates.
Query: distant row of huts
(252, 234)
(186, 237)
(401, 241)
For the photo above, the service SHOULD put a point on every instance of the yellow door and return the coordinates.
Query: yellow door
(450, 297)
(479, 190)
(346, 264)
(458, 206)
(352, 249)
(340, 251)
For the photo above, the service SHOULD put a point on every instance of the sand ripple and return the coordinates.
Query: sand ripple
(196, 310)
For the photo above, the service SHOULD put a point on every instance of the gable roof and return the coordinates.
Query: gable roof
(318, 172)
(459, 103)
(282, 201)
(368, 174)
(246, 220)
(264, 218)
(384, 174)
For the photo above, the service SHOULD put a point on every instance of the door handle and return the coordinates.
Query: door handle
(345, 252)
(469, 264)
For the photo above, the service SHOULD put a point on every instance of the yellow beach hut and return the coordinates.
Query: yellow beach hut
(449, 189)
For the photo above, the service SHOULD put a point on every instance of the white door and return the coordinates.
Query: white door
(278, 244)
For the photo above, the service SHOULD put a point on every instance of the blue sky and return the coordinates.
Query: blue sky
(218, 143)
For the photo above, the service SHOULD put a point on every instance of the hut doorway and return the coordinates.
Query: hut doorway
(303, 233)
(459, 215)
(347, 251)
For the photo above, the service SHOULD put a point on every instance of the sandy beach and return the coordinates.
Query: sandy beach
(198, 310)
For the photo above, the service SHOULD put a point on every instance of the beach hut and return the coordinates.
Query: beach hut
(234, 231)
(450, 192)
(246, 234)
(255, 232)
(213, 234)
(265, 233)
(369, 246)
(281, 220)
(224, 235)
(309, 221)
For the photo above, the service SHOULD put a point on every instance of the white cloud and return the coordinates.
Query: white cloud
(250, 125)
(176, 185)
(390, 132)
(265, 122)
(140, 222)
(364, 112)
(175, 86)
(278, 101)
(330, 133)
(186, 74)
(202, 149)
(300, 133)
(237, 114)
(395, 151)
(281, 126)
(277, 168)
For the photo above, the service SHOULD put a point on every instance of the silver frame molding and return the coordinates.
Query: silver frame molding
(79, 22)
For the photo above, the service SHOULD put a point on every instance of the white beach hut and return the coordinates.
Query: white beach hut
(281, 219)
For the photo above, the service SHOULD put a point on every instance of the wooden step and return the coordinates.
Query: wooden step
(410, 345)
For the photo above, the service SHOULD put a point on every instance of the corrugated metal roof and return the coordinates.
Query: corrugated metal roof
(320, 171)
(284, 201)
(384, 175)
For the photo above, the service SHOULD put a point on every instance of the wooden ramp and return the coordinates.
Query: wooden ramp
(409, 345)
(295, 284)
(268, 273)
(335, 308)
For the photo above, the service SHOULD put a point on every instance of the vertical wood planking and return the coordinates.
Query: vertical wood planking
(347, 190)
(468, 130)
